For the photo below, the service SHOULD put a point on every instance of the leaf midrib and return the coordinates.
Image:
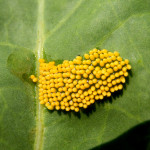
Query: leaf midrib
(38, 144)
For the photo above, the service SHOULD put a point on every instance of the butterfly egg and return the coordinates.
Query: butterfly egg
(77, 84)
(33, 78)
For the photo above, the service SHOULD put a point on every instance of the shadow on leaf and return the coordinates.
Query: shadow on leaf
(137, 138)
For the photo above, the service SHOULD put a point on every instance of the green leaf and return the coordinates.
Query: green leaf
(59, 30)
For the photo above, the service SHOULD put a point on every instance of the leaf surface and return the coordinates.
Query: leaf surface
(59, 30)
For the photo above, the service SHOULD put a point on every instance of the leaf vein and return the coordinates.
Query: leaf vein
(38, 144)
(62, 22)
(108, 35)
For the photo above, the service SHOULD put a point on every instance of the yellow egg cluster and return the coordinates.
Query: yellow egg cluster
(78, 83)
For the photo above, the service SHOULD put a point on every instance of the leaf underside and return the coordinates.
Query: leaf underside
(59, 30)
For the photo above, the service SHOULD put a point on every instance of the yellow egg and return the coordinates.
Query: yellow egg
(76, 84)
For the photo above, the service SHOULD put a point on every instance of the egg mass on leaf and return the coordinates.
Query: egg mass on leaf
(79, 83)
